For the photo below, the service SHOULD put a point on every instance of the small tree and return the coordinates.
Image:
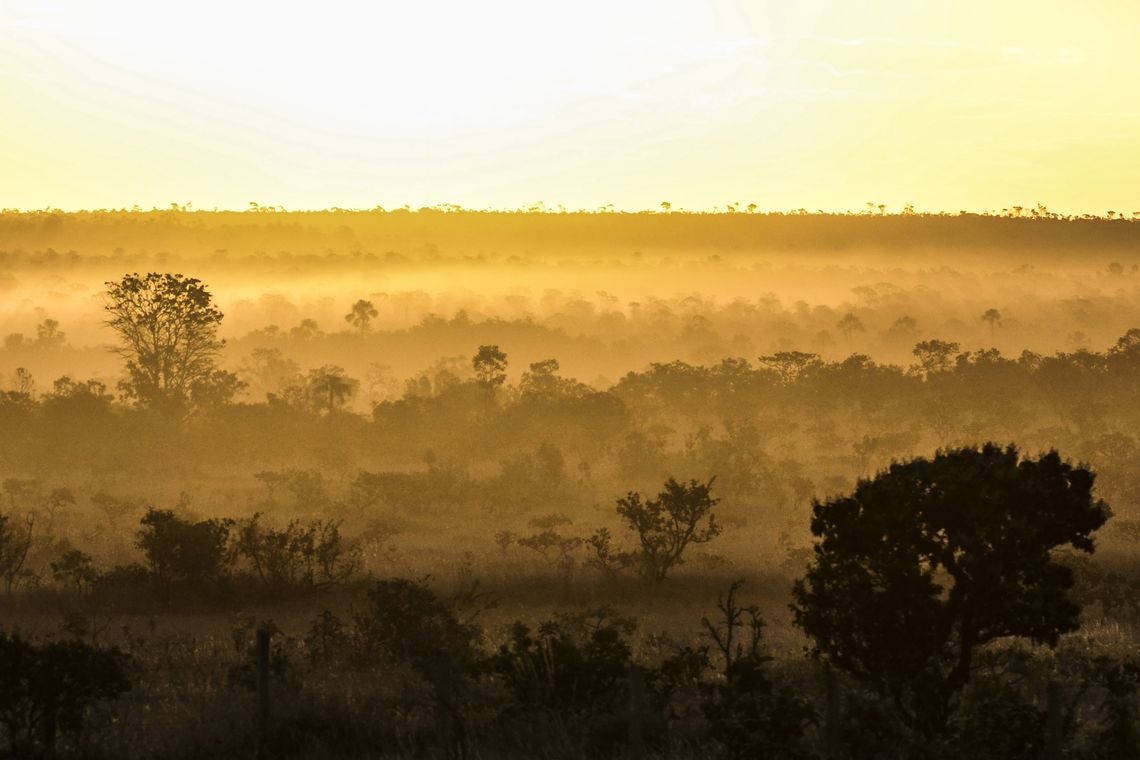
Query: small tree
(849, 325)
(932, 559)
(361, 315)
(490, 366)
(790, 366)
(218, 388)
(934, 356)
(680, 515)
(15, 541)
(48, 334)
(748, 712)
(74, 570)
(183, 551)
(993, 318)
(329, 389)
(298, 555)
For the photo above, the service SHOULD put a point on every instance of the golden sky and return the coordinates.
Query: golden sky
(974, 104)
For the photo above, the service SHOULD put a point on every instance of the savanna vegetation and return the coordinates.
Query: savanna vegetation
(569, 485)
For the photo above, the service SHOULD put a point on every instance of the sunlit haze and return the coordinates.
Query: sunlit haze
(822, 105)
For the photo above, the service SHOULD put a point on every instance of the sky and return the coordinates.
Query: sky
(816, 104)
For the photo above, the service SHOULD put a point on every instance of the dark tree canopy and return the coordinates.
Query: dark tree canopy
(680, 515)
(48, 689)
(933, 558)
(327, 389)
(490, 365)
(168, 332)
(361, 315)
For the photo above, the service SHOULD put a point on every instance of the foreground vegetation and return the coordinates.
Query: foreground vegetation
(937, 588)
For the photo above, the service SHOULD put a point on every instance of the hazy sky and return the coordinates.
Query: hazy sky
(974, 104)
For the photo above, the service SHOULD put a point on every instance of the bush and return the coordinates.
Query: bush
(407, 621)
(748, 713)
(680, 515)
(47, 689)
(560, 670)
(184, 552)
(298, 555)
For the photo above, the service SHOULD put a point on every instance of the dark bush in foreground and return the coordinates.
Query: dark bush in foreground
(46, 689)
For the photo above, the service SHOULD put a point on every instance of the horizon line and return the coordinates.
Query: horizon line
(1032, 213)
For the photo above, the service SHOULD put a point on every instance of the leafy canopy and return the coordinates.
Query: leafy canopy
(168, 332)
(933, 558)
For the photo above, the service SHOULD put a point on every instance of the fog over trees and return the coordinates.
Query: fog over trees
(444, 483)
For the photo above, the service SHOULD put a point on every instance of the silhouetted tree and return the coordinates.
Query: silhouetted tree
(993, 318)
(306, 330)
(184, 551)
(74, 569)
(15, 541)
(791, 365)
(24, 382)
(542, 383)
(490, 367)
(361, 315)
(298, 555)
(168, 332)
(748, 713)
(48, 334)
(932, 559)
(269, 370)
(218, 388)
(935, 356)
(849, 325)
(680, 515)
(328, 388)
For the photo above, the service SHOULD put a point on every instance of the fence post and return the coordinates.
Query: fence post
(1054, 721)
(262, 667)
(832, 717)
(636, 711)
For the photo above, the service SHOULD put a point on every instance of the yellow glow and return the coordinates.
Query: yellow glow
(816, 104)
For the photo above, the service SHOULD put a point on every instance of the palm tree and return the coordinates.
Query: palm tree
(993, 316)
(361, 314)
(329, 388)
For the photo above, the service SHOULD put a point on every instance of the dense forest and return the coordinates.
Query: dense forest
(479, 484)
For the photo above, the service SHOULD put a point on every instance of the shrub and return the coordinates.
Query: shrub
(564, 670)
(408, 622)
(184, 552)
(47, 689)
(680, 515)
(298, 555)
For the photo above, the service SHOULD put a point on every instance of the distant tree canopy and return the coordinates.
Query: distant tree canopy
(168, 333)
(932, 559)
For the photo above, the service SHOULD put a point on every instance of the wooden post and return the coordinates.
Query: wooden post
(262, 666)
(1054, 721)
(833, 717)
(636, 711)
